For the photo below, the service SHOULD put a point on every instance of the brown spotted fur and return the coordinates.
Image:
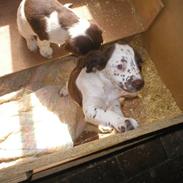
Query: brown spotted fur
(37, 10)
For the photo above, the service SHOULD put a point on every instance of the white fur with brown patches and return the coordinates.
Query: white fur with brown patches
(54, 29)
(101, 90)
(79, 28)
(56, 33)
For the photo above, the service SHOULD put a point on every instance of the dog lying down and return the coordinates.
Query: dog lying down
(100, 79)
(42, 22)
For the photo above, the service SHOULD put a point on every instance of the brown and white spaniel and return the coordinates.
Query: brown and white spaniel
(42, 22)
(100, 79)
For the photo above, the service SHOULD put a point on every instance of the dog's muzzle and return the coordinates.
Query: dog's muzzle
(134, 85)
(138, 84)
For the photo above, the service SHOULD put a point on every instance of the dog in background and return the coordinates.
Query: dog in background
(100, 79)
(42, 22)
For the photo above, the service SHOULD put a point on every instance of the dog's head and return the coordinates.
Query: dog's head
(82, 42)
(123, 67)
(120, 63)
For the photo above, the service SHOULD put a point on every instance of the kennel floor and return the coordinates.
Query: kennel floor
(154, 108)
(154, 103)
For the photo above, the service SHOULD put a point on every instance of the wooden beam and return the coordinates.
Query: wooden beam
(61, 157)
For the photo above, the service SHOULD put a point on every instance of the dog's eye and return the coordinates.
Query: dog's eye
(123, 60)
(120, 66)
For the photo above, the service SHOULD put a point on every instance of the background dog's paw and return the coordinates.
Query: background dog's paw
(46, 52)
(131, 123)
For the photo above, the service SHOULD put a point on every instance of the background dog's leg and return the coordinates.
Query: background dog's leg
(31, 43)
(45, 49)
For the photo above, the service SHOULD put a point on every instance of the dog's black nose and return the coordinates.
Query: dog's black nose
(138, 84)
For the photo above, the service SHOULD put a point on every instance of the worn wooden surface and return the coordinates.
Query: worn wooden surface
(83, 150)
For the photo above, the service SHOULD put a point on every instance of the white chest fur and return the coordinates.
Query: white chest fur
(57, 34)
(95, 85)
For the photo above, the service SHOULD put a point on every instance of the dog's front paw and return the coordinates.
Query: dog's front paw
(125, 125)
(131, 124)
(121, 128)
(46, 52)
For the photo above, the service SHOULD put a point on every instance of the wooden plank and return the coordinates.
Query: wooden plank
(15, 178)
(46, 171)
(170, 55)
(146, 16)
(85, 149)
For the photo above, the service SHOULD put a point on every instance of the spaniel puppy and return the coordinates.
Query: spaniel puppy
(42, 22)
(100, 79)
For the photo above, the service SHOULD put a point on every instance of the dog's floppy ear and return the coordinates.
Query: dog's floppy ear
(95, 33)
(138, 59)
(79, 45)
(108, 50)
(70, 46)
(96, 59)
(93, 61)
